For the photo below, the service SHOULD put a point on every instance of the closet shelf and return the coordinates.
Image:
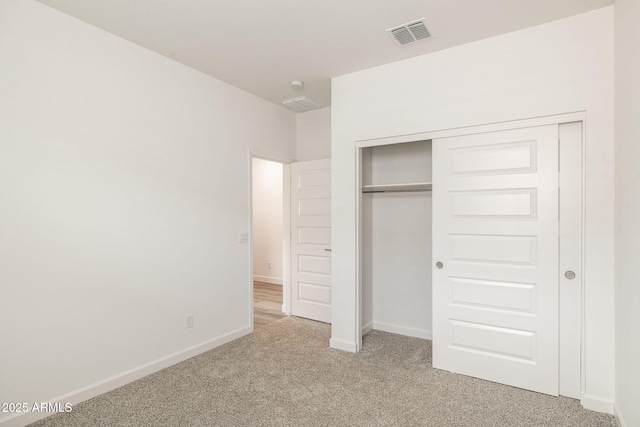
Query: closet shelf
(388, 188)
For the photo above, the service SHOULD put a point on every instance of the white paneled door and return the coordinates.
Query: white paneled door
(311, 240)
(495, 254)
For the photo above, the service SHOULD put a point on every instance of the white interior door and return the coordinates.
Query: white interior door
(311, 240)
(495, 242)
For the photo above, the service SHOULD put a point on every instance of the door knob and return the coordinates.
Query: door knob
(439, 265)
(570, 275)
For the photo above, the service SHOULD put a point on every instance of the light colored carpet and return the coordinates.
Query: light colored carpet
(286, 375)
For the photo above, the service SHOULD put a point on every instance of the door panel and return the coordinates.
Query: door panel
(319, 236)
(311, 240)
(493, 249)
(504, 343)
(494, 295)
(494, 158)
(495, 230)
(496, 204)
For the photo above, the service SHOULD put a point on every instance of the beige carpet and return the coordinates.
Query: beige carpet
(286, 375)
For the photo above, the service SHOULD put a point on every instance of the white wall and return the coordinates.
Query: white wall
(559, 67)
(627, 211)
(124, 185)
(313, 134)
(267, 221)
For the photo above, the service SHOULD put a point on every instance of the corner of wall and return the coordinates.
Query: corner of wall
(619, 418)
(313, 134)
(597, 403)
(351, 347)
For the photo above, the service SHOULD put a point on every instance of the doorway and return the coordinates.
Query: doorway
(291, 240)
(268, 240)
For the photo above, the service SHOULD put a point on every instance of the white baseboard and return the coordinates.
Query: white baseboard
(351, 347)
(124, 378)
(597, 403)
(367, 328)
(267, 279)
(403, 330)
(618, 415)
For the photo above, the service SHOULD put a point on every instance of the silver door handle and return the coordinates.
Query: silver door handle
(439, 265)
(328, 250)
(570, 275)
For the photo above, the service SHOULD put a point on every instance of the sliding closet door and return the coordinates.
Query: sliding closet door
(495, 251)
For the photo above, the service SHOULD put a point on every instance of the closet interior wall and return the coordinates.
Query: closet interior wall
(396, 239)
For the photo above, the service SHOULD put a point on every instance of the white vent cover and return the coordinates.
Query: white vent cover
(300, 104)
(410, 33)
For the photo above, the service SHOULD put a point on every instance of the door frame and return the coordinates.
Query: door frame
(579, 186)
(286, 228)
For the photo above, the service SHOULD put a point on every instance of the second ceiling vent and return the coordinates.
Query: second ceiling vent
(410, 33)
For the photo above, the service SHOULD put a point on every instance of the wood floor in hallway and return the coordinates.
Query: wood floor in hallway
(267, 303)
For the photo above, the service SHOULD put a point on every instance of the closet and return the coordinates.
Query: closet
(396, 202)
(464, 239)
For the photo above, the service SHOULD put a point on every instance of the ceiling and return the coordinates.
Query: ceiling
(261, 45)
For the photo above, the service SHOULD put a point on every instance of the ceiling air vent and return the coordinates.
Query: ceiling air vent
(300, 104)
(410, 33)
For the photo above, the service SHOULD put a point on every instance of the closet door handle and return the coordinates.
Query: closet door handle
(328, 250)
(570, 275)
(439, 265)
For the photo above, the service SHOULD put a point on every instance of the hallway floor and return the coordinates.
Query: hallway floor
(267, 304)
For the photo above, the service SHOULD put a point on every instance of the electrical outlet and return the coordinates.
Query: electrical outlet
(189, 321)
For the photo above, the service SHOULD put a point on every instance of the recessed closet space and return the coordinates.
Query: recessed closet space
(395, 251)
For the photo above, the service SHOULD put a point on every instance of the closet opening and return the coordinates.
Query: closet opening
(396, 203)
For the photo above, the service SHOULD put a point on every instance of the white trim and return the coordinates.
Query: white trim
(359, 233)
(250, 243)
(351, 347)
(403, 330)
(583, 262)
(618, 415)
(269, 156)
(126, 377)
(267, 279)
(470, 130)
(286, 238)
(571, 255)
(367, 328)
(597, 403)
